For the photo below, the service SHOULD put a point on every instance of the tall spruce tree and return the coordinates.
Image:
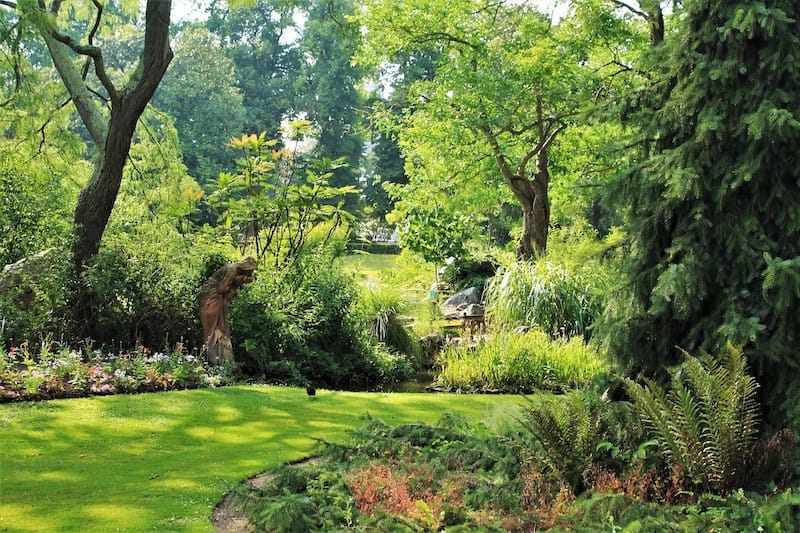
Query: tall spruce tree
(714, 208)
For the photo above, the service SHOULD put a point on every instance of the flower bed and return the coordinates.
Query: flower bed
(55, 371)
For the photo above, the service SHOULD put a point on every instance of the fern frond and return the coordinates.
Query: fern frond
(689, 432)
(708, 421)
(651, 403)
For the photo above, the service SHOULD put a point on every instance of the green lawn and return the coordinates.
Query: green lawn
(161, 462)
(370, 267)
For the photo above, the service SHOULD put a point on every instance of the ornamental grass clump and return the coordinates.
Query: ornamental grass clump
(542, 295)
(520, 363)
(383, 308)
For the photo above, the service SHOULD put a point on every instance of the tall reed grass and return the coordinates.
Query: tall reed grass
(508, 362)
(383, 308)
(543, 295)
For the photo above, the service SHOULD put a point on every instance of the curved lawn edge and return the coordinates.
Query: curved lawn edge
(162, 461)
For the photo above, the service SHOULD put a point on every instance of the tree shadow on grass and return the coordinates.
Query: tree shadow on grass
(163, 460)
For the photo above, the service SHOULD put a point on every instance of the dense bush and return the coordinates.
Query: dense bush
(373, 247)
(33, 302)
(509, 362)
(543, 295)
(143, 287)
(302, 324)
(412, 477)
(462, 273)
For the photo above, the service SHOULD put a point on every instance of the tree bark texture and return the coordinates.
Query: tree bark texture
(97, 198)
(535, 204)
(532, 197)
(531, 193)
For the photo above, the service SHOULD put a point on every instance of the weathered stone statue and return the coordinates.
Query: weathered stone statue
(215, 298)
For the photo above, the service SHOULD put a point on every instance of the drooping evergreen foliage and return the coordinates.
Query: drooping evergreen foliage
(714, 208)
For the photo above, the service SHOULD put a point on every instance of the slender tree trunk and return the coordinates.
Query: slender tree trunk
(541, 204)
(531, 193)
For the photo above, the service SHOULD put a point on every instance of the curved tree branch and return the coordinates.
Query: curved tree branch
(97, 57)
(438, 36)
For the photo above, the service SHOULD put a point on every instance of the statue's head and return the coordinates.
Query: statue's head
(248, 264)
(245, 269)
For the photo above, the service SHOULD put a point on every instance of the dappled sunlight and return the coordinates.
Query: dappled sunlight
(186, 448)
(59, 477)
(226, 414)
(14, 514)
(181, 483)
(113, 515)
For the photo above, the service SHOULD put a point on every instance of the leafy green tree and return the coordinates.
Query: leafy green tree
(331, 98)
(714, 212)
(649, 11)
(92, 90)
(156, 188)
(386, 167)
(200, 93)
(39, 180)
(508, 82)
(389, 101)
(261, 41)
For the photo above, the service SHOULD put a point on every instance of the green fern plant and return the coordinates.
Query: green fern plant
(567, 429)
(708, 421)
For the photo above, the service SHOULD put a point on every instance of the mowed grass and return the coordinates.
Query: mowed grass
(370, 267)
(161, 462)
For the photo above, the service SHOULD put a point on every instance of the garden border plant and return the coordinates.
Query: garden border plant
(55, 371)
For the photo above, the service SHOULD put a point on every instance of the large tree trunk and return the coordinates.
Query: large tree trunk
(97, 198)
(532, 196)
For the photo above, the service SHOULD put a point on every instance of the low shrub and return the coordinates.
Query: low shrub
(381, 248)
(739, 511)
(53, 371)
(520, 363)
(413, 477)
(463, 273)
